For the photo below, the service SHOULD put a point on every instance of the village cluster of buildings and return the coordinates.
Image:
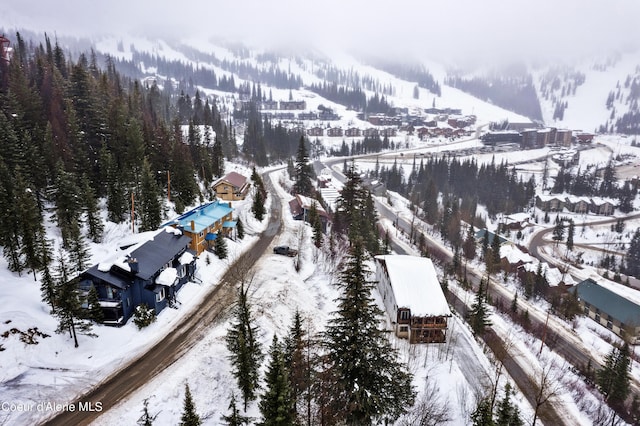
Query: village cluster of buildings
(153, 269)
(611, 305)
(530, 136)
(574, 204)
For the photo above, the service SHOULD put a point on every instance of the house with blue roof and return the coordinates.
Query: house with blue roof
(205, 223)
(611, 309)
(149, 272)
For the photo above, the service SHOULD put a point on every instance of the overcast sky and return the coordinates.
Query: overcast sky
(453, 29)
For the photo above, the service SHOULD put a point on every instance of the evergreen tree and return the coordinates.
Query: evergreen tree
(479, 316)
(48, 289)
(482, 415)
(78, 251)
(296, 357)
(633, 255)
(31, 228)
(469, 245)
(355, 212)
(514, 303)
(217, 158)
(276, 405)
(507, 414)
(67, 198)
(558, 231)
(495, 254)
(570, 234)
(246, 352)
(316, 224)
(613, 379)
(189, 416)
(368, 384)
(303, 171)
(485, 243)
(220, 248)
(240, 228)
(149, 207)
(234, 418)
(94, 222)
(258, 206)
(9, 217)
(68, 305)
(95, 310)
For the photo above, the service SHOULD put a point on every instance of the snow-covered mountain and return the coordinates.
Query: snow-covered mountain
(589, 96)
(592, 96)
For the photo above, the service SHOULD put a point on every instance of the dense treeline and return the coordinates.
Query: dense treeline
(447, 190)
(352, 79)
(192, 75)
(72, 132)
(516, 94)
(368, 145)
(353, 98)
(264, 142)
(415, 73)
(592, 182)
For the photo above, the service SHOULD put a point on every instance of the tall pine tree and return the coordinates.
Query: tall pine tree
(189, 415)
(276, 404)
(303, 171)
(246, 352)
(368, 384)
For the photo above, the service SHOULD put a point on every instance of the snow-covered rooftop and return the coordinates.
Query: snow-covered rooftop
(514, 255)
(415, 284)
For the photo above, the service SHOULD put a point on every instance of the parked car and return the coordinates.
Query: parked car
(285, 251)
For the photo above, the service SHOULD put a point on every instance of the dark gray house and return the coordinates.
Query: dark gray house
(150, 272)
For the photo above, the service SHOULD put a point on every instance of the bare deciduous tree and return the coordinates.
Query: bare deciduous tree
(429, 409)
(547, 383)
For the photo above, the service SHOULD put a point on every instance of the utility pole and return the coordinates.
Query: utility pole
(168, 186)
(544, 333)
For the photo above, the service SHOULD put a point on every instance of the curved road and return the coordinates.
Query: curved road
(193, 327)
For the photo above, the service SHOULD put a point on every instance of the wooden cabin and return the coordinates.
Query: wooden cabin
(231, 187)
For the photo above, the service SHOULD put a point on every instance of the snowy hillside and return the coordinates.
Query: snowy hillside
(585, 91)
(307, 68)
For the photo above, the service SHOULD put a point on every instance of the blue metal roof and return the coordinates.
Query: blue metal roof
(202, 216)
(609, 302)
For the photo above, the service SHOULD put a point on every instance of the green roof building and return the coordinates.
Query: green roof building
(610, 309)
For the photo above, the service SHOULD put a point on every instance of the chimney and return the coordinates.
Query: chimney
(193, 225)
(133, 265)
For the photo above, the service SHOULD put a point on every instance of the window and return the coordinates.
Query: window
(404, 329)
(609, 325)
(182, 271)
(109, 292)
(160, 295)
(598, 317)
(404, 315)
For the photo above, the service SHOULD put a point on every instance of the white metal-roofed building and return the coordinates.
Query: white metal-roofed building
(413, 297)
